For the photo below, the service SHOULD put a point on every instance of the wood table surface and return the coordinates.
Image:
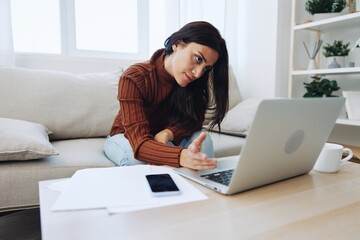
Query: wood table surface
(312, 206)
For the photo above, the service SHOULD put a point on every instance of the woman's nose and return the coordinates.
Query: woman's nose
(197, 72)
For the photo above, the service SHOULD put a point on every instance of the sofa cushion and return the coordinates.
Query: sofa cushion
(234, 95)
(239, 119)
(23, 140)
(69, 105)
(234, 91)
(19, 180)
(226, 145)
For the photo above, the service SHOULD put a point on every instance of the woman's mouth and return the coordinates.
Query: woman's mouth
(189, 78)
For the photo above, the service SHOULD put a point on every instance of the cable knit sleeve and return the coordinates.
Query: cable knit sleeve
(136, 125)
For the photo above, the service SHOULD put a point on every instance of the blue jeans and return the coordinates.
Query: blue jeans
(118, 149)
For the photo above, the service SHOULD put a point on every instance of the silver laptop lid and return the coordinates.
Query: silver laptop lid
(285, 140)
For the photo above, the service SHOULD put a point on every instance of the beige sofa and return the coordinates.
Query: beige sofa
(55, 123)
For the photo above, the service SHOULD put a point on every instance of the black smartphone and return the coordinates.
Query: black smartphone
(162, 184)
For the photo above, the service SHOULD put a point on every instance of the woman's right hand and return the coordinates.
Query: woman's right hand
(194, 159)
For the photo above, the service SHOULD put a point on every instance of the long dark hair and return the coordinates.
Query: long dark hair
(210, 92)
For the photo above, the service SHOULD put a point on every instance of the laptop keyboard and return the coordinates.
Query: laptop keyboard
(222, 177)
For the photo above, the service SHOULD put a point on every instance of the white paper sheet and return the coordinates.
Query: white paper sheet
(119, 189)
(188, 194)
(59, 185)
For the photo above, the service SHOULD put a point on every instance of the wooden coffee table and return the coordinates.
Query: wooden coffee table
(312, 206)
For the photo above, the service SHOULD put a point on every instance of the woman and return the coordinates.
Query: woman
(163, 102)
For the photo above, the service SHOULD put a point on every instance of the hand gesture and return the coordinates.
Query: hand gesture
(194, 159)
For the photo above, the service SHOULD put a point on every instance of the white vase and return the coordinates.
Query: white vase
(339, 60)
(312, 64)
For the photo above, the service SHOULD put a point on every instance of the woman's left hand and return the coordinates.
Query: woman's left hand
(164, 136)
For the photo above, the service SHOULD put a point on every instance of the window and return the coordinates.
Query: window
(81, 28)
(37, 30)
(106, 25)
(131, 29)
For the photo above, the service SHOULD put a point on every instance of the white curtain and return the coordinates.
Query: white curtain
(177, 13)
(212, 11)
(7, 57)
(180, 12)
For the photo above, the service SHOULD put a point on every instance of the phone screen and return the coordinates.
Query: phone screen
(162, 184)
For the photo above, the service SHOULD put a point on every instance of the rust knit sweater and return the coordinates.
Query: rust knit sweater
(143, 89)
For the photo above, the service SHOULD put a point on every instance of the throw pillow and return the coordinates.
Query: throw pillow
(23, 140)
(239, 119)
(234, 95)
(71, 105)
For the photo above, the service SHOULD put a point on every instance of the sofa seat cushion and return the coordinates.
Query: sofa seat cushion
(19, 179)
(226, 145)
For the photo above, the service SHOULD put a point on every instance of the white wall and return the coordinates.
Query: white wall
(263, 38)
(283, 48)
(257, 32)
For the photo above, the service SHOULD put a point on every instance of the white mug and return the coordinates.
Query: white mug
(330, 158)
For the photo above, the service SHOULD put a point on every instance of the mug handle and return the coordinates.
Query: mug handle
(349, 156)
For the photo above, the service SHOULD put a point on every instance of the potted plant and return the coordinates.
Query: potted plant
(321, 9)
(335, 53)
(320, 87)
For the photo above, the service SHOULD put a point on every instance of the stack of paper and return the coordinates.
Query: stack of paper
(118, 189)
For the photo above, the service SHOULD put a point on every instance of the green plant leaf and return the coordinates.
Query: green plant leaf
(320, 87)
(324, 6)
(337, 48)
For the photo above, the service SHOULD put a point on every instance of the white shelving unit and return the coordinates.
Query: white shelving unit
(347, 21)
(310, 32)
(328, 71)
(348, 122)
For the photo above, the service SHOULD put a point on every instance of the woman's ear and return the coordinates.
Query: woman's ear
(176, 45)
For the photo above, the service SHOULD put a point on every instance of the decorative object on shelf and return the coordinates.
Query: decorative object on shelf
(334, 63)
(351, 64)
(312, 63)
(352, 104)
(321, 9)
(356, 45)
(319, 87)
(335, 53)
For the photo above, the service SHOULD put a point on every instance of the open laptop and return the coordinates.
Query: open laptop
(284, 141)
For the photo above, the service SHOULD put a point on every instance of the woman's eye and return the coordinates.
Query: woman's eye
(198, 59)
